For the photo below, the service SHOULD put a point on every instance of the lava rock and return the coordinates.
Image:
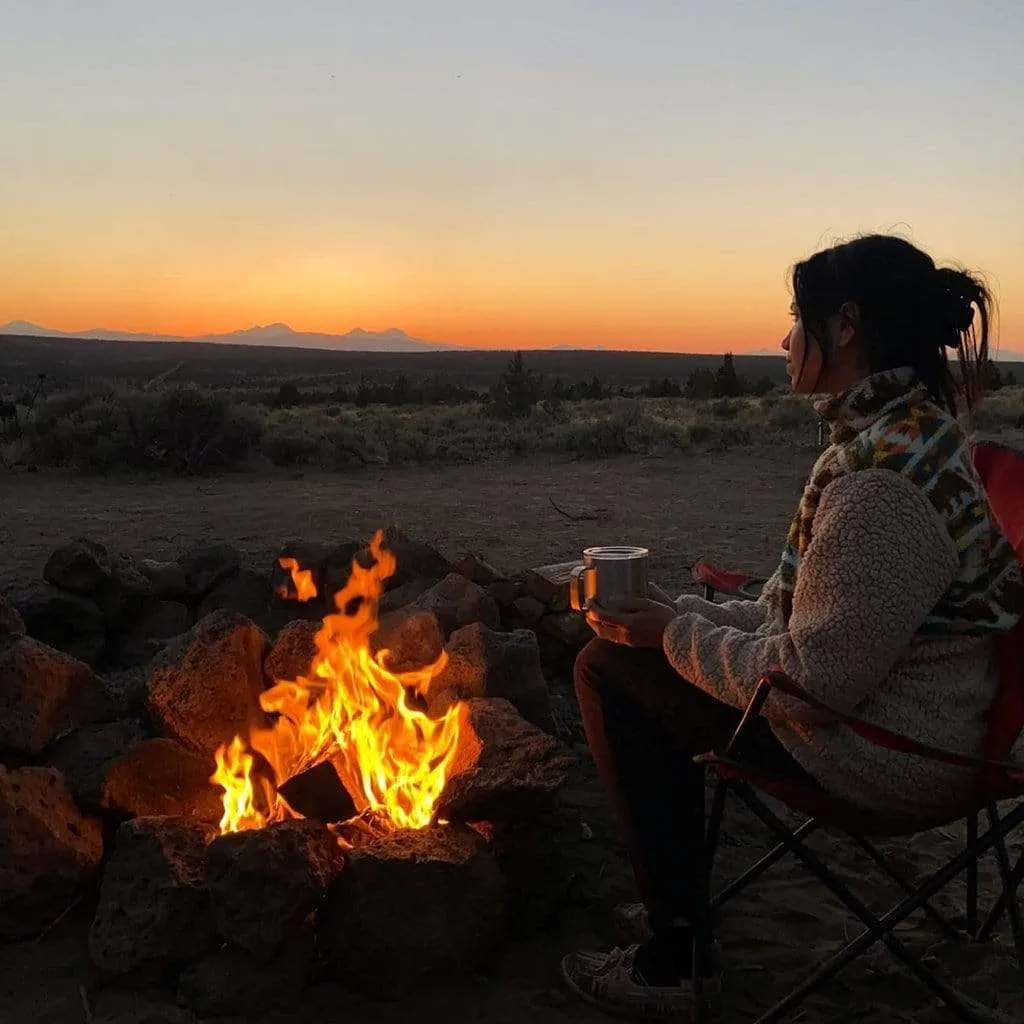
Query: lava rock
(44, 693)
(474, 568)
(400, 597)
(10, 618)
(412, 640)
(485, 663)
(292, 652)
(204, 689)
(82, 567)
(337, 568)
(207, 565)
(127, 689)
(263, 884)
(47, 849)
(230, 981)
(159, 777)
(246, 592)
(456, 602)
(504, 769)
(167, 579)
(84, 755)
(413, 906)
(125, 596)
(158, 623)
(415, 559)
(153, 910)
(67, 622)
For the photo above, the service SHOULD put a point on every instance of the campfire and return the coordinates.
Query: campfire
(288, 775)
(352, 711)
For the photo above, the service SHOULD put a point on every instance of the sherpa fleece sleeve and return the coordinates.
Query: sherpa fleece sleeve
(746, 615)
(879, 559)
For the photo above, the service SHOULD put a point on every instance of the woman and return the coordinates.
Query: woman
(893, 581)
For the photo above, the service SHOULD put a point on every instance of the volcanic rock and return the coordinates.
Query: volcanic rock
(204, 689)
(82, 567)
(474, 568)
(400, 597)
(152, 908)
(128, 691)
(166, 578)
(126, 594)
(159, 777)
(569, 628)
(263, 884)
(413, 906)
(84, 755)
(207, 565)
(158, 622)
(68, 622)
(415, 560)
(504, 769)
(292, 652)
(245, 592)
(456, 602)
(529, 609)
(10, 618)
(485, 663)
(412, 640)
(47, 849)
(43, 693)
(337, 567)
(230, 981)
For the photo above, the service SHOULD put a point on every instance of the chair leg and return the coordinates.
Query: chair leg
(936, 917)
(773, 856)
(1010, 883)
(876, 929)
(971, 909)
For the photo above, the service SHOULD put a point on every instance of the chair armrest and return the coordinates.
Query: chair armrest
(734, 584)
(776, 679)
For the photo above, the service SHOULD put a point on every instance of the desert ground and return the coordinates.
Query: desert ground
(731, 506)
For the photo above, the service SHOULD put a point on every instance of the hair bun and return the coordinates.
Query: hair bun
(958, 293)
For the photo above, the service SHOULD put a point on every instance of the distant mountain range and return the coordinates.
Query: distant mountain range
(271, 335)
(356, 340)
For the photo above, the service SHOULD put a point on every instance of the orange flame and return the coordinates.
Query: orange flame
(302, 580)
(393, 758)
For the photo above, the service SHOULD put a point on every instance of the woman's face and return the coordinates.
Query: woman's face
(803, 357)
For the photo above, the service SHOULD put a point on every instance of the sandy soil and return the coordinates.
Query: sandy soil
(733, 508)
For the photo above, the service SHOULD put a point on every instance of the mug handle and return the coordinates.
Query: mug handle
(578, 587)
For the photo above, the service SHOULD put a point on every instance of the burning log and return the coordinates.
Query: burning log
(205, 688)
(43, 693)
(504, 768)
(47, 849)
(264, 884)
(319, 794)
(411, 907)
(153, 912)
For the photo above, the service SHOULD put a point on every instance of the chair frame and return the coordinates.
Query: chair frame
(745, 782)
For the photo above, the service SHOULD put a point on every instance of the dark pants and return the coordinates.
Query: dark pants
(645, 724)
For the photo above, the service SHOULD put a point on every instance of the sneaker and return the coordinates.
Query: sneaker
(630, 923)
(608, 980)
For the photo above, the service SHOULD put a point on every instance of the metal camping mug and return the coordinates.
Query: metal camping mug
(608, 573)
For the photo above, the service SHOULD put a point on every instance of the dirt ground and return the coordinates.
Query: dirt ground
(734, 508)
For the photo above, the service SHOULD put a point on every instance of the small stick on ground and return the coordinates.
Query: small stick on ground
(583, 517)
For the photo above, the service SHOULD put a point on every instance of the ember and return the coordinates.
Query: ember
(352, 710)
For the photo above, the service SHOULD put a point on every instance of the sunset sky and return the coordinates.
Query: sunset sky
(495, 172)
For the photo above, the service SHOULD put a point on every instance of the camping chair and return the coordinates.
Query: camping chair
(1002, 472)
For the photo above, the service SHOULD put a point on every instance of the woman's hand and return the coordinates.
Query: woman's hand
(631, 621)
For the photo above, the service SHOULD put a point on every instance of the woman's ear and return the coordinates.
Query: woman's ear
(848, 326)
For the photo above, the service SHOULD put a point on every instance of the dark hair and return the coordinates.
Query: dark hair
(909, 311)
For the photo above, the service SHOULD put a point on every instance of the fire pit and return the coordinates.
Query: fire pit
(375, 805)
